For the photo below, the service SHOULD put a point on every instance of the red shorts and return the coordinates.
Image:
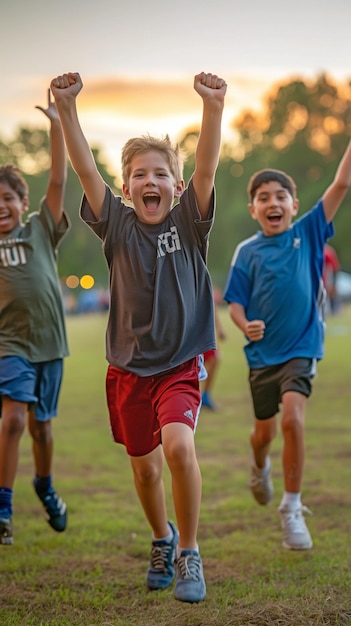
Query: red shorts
(209, 355)
(139, 406)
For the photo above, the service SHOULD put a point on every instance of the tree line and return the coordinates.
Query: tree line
(303, 129)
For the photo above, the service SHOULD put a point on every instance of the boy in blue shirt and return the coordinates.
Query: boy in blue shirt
(275, 294)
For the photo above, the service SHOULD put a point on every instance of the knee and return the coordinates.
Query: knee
(292, 422)
(13, 423)
(180, 454)
(41, 432)
(263, 439)
(147, 474)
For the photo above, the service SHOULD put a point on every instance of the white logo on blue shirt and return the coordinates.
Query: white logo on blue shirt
(296, 243)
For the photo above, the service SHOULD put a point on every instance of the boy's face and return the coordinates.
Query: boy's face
(151, 187)
(11, 209)
(273, 207)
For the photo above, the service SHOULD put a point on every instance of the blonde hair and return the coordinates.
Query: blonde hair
(174, 156)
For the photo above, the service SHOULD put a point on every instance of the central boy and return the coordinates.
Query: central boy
(161, 316)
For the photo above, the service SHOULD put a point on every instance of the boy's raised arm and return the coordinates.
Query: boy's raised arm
(65, 89)
(212, 90)
(336, 192)
(58, 172)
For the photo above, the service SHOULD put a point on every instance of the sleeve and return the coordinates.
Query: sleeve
(238, 285)
(110, 210)
(56, 233)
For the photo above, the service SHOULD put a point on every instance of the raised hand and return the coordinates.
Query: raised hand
(65, 85)
(210, 86)
(50, 111)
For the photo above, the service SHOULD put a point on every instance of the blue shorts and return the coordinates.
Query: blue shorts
(37, 384)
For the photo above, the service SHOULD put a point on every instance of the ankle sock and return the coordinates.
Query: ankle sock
(291, 500)
(5, 502)
(167, 539)
(42, 484)
(180, 550)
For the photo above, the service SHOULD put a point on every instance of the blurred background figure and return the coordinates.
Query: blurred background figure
(330, 272)
(212, 357)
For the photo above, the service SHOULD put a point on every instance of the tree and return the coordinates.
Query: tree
(80, 251)
(303, 130)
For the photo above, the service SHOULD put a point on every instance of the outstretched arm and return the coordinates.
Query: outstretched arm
(336, 192)
(58, 172)
(212, 90)
(65, 89)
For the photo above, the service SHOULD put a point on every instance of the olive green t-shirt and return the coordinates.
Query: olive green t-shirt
(32, 323)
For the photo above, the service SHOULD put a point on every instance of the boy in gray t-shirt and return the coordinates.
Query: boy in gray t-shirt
(161, 316)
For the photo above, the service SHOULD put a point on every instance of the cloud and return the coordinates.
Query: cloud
(145, 98)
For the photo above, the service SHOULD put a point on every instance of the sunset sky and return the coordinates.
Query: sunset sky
(138, 59)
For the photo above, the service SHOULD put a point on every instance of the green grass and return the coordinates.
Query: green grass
(94, 573)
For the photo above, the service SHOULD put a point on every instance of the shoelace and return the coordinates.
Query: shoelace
(54, 505)
(190, 567)
(258, 479)
(160, 555)
(295, 520)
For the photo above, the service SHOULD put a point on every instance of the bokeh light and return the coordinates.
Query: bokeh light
(72, 281)
(87, 282)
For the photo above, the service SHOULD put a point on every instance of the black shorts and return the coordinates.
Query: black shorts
(269, 383)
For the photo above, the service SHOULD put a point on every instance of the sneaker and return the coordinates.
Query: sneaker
(55, 508)
(6, 537)
(190, 583)
(260, 482)
(161, 570)
(207, 401)
(296, 535)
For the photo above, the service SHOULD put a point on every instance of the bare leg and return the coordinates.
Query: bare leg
(148, 481)
(294, 405)
(261, 437)
(13, 423)
(179, 449)
(42, 444)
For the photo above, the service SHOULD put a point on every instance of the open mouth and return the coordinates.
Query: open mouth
(274, 218)
(151, 202)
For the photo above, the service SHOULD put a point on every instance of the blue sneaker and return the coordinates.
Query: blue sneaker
(6, 537)
(207, 401)
(55, 508)
(161, 570)
(190, 583)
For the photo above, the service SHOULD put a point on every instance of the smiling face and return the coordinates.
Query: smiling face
(273, 207)
(151, 186)
(11, 209)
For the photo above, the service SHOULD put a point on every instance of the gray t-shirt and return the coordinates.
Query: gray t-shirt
(161, 311)
(31, 310)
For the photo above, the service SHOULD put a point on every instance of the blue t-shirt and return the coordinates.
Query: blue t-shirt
(278, 279)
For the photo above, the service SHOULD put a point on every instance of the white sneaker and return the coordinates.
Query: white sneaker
(260, 482)
(296, 535)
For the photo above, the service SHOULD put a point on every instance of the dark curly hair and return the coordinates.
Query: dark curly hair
(10, 175)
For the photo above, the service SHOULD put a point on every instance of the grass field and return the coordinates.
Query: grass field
(94, 573)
